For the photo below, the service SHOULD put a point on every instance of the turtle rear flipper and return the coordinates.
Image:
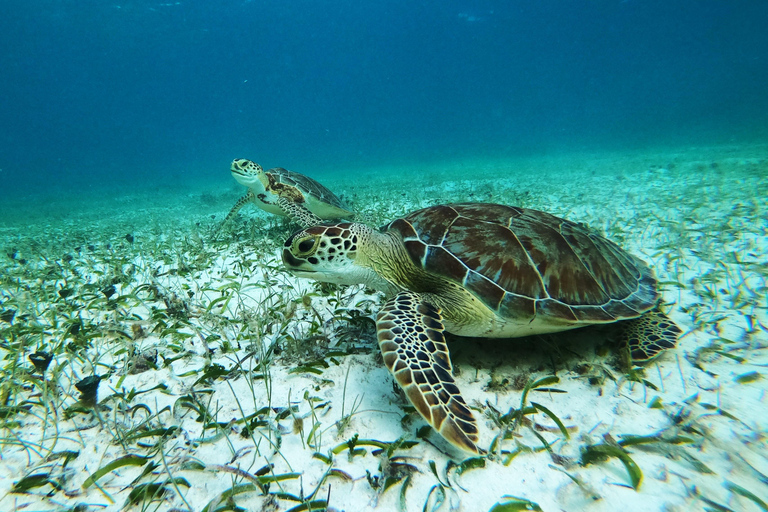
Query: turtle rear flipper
(649, 335)
(410, 334)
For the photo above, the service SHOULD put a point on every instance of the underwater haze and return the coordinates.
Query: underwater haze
(144, 93)
(167, 339)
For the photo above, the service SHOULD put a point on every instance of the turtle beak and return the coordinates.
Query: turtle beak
(237, 168)
(291, 262)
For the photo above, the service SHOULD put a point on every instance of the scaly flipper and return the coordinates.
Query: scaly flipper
(411, 340)
(250, 197)
(298, 213)
(649, 335)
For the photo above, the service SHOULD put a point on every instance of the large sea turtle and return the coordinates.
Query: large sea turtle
(484, 270)
(283, 192)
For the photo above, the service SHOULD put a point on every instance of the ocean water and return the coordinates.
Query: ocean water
(231, 381)
(105, 96)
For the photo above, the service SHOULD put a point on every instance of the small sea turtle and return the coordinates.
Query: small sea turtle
(283, 192)
(484, 270)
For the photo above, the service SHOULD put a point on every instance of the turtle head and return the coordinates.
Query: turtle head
(332, 253)
(246, 172)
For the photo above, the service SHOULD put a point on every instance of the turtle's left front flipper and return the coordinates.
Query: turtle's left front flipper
(299, 213)
(649, 335)
(411, 340)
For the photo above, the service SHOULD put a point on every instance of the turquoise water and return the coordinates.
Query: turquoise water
(109, 95)
(645, 120)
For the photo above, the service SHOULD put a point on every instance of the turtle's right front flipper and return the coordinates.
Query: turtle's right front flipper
(411, 339)
(247, 198)
(298, 212)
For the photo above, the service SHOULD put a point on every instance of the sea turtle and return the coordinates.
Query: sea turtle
(283, 192)
(483, 270)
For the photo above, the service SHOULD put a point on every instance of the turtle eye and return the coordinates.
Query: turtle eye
(306, 246)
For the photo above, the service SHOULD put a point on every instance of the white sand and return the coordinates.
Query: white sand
(701, 222)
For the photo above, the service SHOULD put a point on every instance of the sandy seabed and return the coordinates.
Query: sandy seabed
(224, 383)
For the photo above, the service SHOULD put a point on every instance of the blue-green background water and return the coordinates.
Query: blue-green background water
(139, 92)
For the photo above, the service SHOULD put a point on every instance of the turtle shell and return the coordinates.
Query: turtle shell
(279, 178)
(526, 264)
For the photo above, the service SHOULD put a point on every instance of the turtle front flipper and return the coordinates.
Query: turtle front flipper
(411, 340)
(298, 212)
(247, 198)
(649, 335)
